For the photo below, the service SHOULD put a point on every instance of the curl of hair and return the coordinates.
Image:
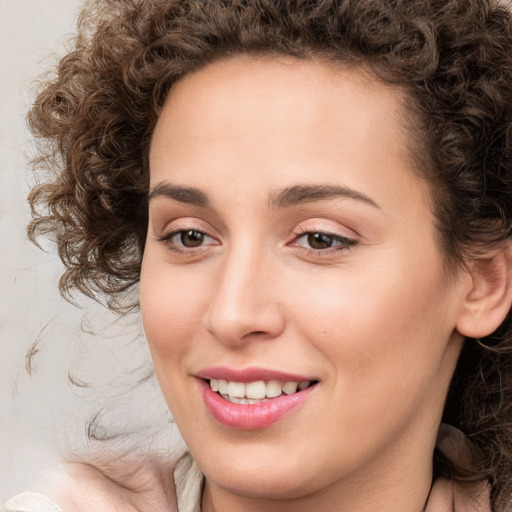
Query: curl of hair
(95, 118)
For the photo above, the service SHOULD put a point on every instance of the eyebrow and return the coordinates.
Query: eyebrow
(290, 196)
(189, 195)
(300, 194)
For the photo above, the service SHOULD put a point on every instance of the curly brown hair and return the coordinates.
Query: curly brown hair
(453, 58)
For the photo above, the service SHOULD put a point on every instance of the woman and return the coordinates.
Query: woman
(315, 199)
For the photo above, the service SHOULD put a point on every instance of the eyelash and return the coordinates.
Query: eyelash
(343, 243)
(166, 239)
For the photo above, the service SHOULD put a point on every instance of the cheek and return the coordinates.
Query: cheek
(385, 339)
(388, 324)
(170, 312)
(171, 308)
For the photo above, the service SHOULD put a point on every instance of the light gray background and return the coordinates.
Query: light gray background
(29, 31)
(42, 415)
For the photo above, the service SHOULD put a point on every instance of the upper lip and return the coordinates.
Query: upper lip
(250, 374)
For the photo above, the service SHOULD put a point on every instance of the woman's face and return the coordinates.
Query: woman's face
(290, 243)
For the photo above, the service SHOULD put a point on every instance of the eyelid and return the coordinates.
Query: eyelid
(327, 227)
(183, 225)
(346, 241)
(168, 235)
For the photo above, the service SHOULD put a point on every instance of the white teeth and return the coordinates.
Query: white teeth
(255, 392)
(256, 389)
(236, 389)
(289, 388)
(274, 389)
(223, 387)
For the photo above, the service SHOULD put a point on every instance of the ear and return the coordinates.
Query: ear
(489, 298)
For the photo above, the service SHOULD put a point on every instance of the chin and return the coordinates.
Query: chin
(265, 483)
(265, 471)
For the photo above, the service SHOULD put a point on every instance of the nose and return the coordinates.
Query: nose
(244, 304)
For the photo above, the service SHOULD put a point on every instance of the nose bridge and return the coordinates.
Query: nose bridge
(242, 302)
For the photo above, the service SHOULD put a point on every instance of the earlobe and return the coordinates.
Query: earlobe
(490, 297)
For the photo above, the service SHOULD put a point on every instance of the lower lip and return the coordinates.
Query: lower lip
(252, 416)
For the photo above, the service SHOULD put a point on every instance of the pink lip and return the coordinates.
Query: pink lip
(250, 416)
(249, 375)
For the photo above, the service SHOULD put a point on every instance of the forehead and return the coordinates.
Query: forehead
(282, 119)
(282, 90)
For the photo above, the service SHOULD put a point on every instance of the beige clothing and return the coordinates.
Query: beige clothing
(30, 502)
(188, 481)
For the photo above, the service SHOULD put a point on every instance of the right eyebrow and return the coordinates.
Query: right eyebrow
(188, 195)
(300, 194)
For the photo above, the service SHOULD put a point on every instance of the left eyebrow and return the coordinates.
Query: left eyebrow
(189, 195)
(300, 194)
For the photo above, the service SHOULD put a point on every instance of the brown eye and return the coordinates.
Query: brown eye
(191, 238)
(323, 243)
(188, 241)
(320, 240)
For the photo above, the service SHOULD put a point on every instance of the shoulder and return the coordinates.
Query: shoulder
(120, 485)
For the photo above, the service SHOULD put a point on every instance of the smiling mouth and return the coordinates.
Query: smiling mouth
(257, 391)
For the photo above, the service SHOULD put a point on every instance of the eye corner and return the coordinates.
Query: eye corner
(319, 242)
(182, 240)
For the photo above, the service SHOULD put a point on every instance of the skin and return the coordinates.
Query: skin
(373, 320)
